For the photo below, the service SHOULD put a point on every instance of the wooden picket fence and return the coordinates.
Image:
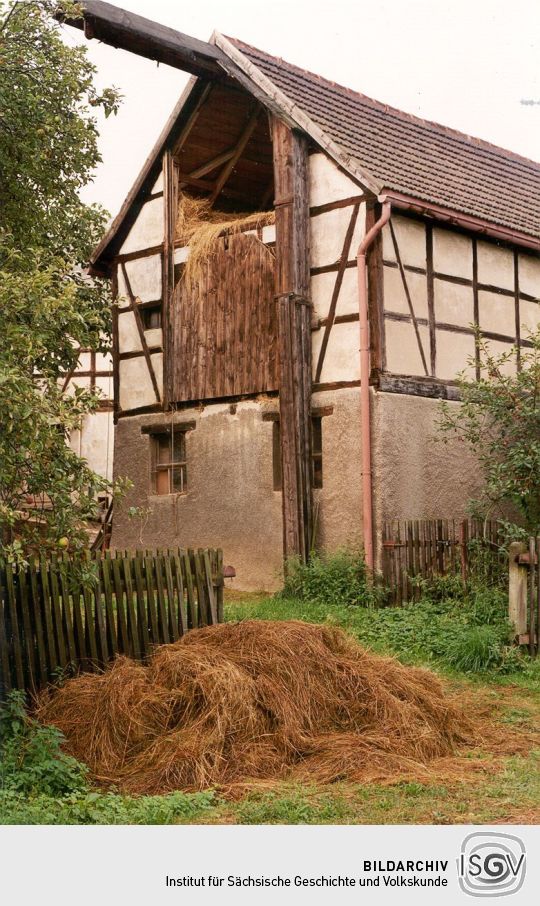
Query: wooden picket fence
(425, 548)
(62, 615)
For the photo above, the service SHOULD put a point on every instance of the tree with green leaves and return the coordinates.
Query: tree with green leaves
(48, 307)
(499, 420)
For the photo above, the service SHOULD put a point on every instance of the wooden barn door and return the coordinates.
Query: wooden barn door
(223, 325)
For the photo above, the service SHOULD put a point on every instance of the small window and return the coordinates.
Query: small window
(316, 453)
(169, 468)
(151, 317)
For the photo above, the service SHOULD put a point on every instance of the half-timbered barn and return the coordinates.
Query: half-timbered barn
(284, 393)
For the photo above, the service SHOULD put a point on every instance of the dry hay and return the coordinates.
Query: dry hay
(200, 226)
(257, 700)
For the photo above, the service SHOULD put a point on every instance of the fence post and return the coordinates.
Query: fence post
(517, 589)
(464, 551)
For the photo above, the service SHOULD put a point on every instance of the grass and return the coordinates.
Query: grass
(509, 796)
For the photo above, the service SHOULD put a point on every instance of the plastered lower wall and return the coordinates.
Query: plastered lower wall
(230, 501)
(416, 476)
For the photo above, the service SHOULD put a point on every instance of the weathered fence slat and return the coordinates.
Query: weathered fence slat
(413, 549)
(5, 674)
(38, 622)
(532, 596)
(61, 614)
(29, 639)
(14, 622)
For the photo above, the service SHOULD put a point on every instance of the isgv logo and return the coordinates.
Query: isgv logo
(491, 865)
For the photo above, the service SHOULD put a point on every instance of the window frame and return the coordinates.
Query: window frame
(175, 464)
(148, 311)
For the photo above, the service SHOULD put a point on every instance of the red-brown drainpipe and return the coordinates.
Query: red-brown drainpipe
(365, 415)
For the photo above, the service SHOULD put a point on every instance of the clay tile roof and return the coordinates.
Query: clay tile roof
(413, 156)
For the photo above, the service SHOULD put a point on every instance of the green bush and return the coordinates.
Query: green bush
(31, 757)
(334, 579)
(102, 808)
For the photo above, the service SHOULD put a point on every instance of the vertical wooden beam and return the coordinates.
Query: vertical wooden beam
(431, 300)
(115, 345)
(170, 210)
(517, 308)
(294, 325)
(517, 589)
(476, 305)
(375, 295)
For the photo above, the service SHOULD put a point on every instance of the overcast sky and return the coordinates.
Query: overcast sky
(467, 64)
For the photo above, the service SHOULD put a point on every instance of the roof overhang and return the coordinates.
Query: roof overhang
(465, 221)
(127, 31)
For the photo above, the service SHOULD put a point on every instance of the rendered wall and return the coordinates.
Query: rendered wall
(415, 475)
(230, 501)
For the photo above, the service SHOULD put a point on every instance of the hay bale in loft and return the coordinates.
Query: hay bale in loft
(200, 227)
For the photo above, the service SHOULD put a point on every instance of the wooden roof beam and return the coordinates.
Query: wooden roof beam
(212, 164)
(242, 142)
(123, 29)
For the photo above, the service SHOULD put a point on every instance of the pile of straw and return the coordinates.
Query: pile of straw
(251, 701)
(201, 227)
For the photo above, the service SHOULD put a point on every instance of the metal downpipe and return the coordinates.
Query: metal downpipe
(365, 403)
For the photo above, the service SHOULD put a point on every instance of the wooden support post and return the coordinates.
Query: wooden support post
(294, 324)
(517, 589)
(170, 212)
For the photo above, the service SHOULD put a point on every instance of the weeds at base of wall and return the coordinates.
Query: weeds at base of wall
(334, 579)
(464, 629)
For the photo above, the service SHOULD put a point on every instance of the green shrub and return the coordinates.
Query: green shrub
(467, 631)
(31, 758)
(102, 808)
(334, 579)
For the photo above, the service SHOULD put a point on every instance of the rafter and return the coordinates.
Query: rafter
(192, 118)
(242, 142)
(212, 164)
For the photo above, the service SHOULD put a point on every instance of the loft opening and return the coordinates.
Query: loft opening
(225, 160)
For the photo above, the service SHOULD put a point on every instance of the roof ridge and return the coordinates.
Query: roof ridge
(388, 108)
